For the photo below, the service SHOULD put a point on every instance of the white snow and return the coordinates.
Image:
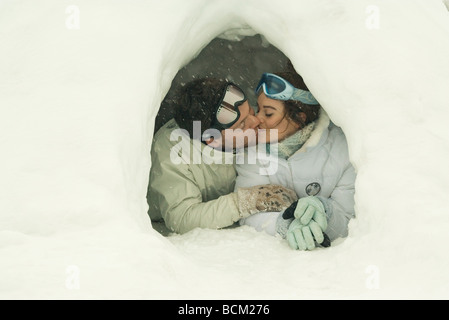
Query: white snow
(78, 101)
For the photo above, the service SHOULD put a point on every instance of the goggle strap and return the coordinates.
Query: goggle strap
(298, 94)
(304, 96)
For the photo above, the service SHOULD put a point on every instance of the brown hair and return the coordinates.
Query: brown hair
(197, 101)
(293, 108)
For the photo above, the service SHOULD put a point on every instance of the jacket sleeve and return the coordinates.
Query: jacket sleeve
(340, 205)
(173, 191)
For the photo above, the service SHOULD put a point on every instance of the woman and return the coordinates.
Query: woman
(310, 157)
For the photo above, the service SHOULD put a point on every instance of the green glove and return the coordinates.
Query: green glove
(303, 237)
(311, 209)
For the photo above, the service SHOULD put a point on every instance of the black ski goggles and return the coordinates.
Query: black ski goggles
(228, 109)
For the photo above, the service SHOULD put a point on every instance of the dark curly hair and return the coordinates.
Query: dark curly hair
(293, 107)
(196, 101)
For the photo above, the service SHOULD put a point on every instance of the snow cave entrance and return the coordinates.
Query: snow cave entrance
(231, 56)
(236, 58)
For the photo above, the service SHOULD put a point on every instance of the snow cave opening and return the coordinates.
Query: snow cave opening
(232, 56)
(236, 58)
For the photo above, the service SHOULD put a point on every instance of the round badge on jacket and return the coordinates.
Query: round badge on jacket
(313, 188)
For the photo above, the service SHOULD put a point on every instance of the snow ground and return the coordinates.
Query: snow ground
(78, 103)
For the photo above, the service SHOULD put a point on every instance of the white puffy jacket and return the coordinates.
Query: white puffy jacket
(321, 168)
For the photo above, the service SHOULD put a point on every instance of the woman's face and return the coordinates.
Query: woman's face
(271, 114)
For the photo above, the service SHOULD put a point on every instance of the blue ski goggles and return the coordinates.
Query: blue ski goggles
(278, 88)
(228, 109)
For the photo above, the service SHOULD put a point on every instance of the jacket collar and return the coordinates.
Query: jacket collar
(319, 134)
(209, 155)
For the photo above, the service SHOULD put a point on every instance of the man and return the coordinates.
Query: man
(192, 174)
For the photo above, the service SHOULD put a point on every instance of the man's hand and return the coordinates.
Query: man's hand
(264, 198)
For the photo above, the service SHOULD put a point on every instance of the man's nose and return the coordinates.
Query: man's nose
(252, 122)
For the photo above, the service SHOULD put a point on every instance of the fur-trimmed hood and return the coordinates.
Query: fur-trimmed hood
(321, 127)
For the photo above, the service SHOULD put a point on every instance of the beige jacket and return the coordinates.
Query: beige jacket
(191, 185)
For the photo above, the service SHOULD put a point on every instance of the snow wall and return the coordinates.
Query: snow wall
(81, 83)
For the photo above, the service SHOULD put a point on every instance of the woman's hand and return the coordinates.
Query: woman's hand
(310, 209)
(309, 224)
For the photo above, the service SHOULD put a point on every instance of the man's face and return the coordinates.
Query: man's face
(242, 133)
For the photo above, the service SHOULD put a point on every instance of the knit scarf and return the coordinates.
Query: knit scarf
(287, 147)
